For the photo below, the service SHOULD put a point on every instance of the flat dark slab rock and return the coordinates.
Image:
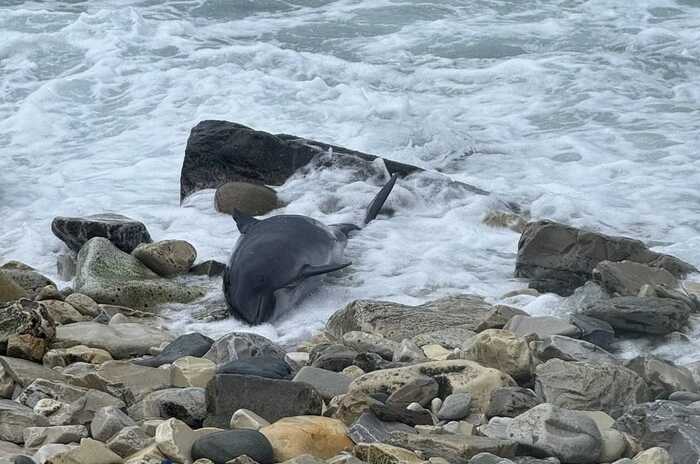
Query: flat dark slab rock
(220, 151)
(192, 344)
(125, 233)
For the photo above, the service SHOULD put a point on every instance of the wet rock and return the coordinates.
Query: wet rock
(419, 390)
(558, 258)
(109, 275)
(502, 350)
(26, 277)
(240, 345)
(128, 441)
(321, 437)
(541, 327)
(594, 330)
(226, 393)
(14, 418)
(209, 268)
(186, 404)
(192, 372)
(626, 278)
(558, 432)
(511, 401)
(166, 258)
(263, 366)
(108, 421)
(83, 304)
(589, 386)
(221, 447)
(571, 349)
(397, 322)
(382, 453)
(246, 419)
(327, 383)
(498, 317)
(662, 377)
(455, 407)
(125, 233)
(252, 199)
(121, 341)
(192, 344)
(650, 315)
(9, 289)
(39, 436)
(369, 429)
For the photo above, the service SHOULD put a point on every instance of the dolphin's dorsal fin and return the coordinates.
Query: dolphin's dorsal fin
(309, 271)
(243, 221)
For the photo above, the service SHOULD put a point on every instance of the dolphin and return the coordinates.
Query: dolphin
(279, 260)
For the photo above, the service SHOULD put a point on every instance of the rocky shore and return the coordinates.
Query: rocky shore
(89, 374)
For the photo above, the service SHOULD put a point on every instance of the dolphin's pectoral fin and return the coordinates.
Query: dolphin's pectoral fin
(309, 271)
(243, 221)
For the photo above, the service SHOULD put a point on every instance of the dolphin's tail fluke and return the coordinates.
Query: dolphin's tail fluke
(376, 205)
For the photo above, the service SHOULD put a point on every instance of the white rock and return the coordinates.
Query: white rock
(174, 439)
(245, 419)
(190, 371)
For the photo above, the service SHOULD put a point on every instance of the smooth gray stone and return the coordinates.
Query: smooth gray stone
(327, 383)
(455, 407)
(369, 429)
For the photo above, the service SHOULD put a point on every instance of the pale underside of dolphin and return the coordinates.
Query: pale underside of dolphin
(279, 260)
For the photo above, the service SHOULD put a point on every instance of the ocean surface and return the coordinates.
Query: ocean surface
(585, 112)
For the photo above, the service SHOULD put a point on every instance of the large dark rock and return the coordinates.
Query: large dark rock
(227, 393)
(626, 278)
(649, 315)
(241, 345)
(667, 424)
(263, 366)
(219, 152)
(399, 413)
(662, 377)
(221, 447)
(511, 401)
(594, 330)
(192, 344)
(125, 233)
(559, 258)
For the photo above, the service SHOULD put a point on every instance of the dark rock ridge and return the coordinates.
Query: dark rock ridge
(220, 151)
(558, 258)
(125, 233)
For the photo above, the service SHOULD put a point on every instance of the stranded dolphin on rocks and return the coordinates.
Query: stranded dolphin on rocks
(279, 260)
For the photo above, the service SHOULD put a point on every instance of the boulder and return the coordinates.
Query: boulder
(654, 455)
(409, 352)
(649, 315)
(26, 277)
(50, 292)
(107, 422)
(89, 452)
(541, 326)
(369, 429)
(209, 268)
(125, 233)
(139, 381)
(75, 354)
(22, 373)
(455, 376)
(502, 350)
(166, 258)
(397, 322)
(65, 393)
(9, 289)
(129, 441)
(262, 366)
(148, 455)
(558, 258)
(321, 437)
(241, 345)
(218, 152)
(221, 447)
(589, 386)
(413, 414)
(109, 275)
(662, 377)
(570, 349)
(449, 338)
(121, 340)
(25, 317)
(62, 312)
(251, 199)
(14, 418)
(39, 436)
(364, 342)
(327, 383)
(192, 344)
(174, 439)
(436, 352)
(567, 435)
(511, 401)
(246, 419)
(84, 304)
(455, 407)
(626, 278)
(186, 404)
(26, 346)
(421, 390)
(226, 393)
(498, 317)
(594, 330)
(192, 372)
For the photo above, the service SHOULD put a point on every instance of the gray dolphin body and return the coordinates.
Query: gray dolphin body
(279, 260)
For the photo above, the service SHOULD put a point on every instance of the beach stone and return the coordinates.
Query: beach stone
(263, 366)
(626, 278)
(449, 338)
(397, 322)
(40, 389)
(50, 292)
(121, 341)
(409, 352)
(336, 361)
(138, 380)
(62, 312)
(109, 275)
(192, 344)
(649, 315)
(25, 317)
(241, 345)
(297, 359)
(541, 326)
(14, 418)
(39, 436)
(589, 386)
(436, 352)
(83, 304)
(26, 277)
(558, 258)
(684, 397)
(327, 383)
(74, 354)
(455, 449)
(613, 445)
(209, 268)
(497, 427)
(511, 401)
(662, 377)
(125, 233)
(148, 455)
(655, 455)
(382, 453)
(89, 452)
(9, 289)
(321, 437)
(192, 372)
(46, 406)
(108, 421)
(349, 407)
(221, 447)
(498, 317)
(44, 454)
(246, 419)
(364, 342)
(564, 434)
(453, 376)
(226, 393)
(251, 199)
(119, 319)
(488, 458)
(570, 349)
(435, 406)
(419, 390)
(594, 330)
(455, 407)
(187, 404)
(26, 346)
(174, 439)
(369, 429)
(129, 440)
(166, 258)
(403, 414)
(502, 350)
